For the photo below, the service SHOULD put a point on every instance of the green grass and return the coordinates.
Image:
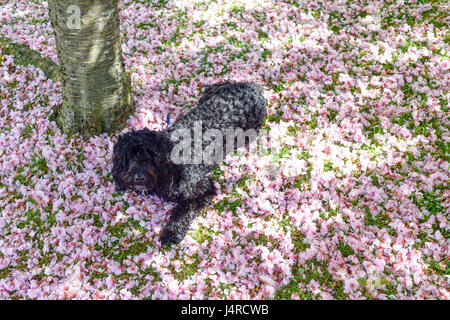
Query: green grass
(327, 165)
(345, 249)
(304, 274)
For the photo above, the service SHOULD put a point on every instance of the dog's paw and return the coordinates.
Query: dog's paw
(170, 236)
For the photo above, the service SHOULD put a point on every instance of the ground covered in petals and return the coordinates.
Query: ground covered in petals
(350, 201)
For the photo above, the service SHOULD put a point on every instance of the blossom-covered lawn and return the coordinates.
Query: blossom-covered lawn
(350, 201)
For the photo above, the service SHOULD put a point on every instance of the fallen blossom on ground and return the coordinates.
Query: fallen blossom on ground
(350, 201)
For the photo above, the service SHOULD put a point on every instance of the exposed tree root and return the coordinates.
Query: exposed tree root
(24, 55)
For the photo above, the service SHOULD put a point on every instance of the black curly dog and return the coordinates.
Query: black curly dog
(143, 158)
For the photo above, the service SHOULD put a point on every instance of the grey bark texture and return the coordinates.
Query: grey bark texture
(96, 90)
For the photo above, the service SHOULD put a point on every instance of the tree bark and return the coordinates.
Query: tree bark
(96, 90)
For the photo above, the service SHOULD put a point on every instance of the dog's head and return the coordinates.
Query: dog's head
(138, 159)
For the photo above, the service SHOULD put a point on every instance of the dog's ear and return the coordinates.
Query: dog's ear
(120, 162)
(158, 141)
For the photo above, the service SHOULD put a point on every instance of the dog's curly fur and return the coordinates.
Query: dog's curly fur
(147, 154)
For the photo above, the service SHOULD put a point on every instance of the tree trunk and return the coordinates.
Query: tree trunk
(96, 90)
